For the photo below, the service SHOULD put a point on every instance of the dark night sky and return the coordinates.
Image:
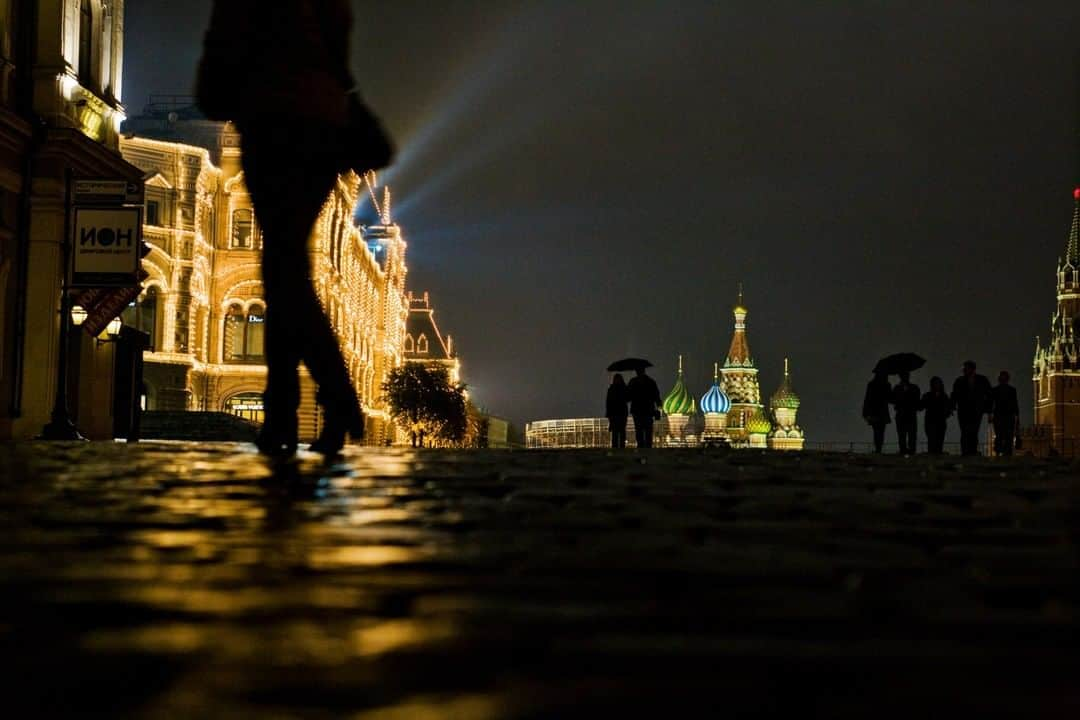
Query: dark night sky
(580, 181)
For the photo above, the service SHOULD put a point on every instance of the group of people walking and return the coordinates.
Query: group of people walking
(643, 397)
(972, 397)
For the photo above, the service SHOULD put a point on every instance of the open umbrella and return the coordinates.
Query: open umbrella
(899, 362)
(627, 364)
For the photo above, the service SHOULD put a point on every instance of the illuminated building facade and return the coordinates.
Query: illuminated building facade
(1056, 368)
(203, 302)
(61, 70)
(574, 433)
(424, 342)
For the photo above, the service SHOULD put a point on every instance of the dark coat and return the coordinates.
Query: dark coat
(617, 398)
(292, 59)
(1003, 402)
(644, 396)
(905, 398)
(938, 407)
(875, 407)
(971, 398)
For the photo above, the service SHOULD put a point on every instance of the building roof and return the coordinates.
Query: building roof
(758, 424)
(739, 352)
(1072, 249)
(421, 324)
(785, 396)
(679, 401)
(715, 401)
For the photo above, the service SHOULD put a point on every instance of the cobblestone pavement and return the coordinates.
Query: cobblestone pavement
(198, 580)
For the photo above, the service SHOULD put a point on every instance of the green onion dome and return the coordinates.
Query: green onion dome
(679, 401)
(785, 396)
(758, 424)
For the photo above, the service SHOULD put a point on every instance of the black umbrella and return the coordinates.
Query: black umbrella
(898, 363)
(627, 364)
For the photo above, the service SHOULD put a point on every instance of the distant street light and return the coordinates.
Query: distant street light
(78, 315)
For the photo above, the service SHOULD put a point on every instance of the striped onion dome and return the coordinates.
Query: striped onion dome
(785, 396)
(758, 424)
(715, 401)
(679, 401)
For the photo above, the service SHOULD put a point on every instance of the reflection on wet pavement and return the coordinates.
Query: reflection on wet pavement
(200, 580)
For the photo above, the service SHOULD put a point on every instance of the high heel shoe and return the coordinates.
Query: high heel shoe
(340, 420)
(276, 441)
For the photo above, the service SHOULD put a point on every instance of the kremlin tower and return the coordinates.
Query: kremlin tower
(784, 403)
(1056, 369)
(715, 404)
(740, 380)
(678, 407)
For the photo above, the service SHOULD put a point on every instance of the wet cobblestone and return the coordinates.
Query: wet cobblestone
(199, 580)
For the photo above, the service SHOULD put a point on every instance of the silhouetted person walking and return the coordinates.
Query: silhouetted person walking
(1004, 414)
(938, 407)
(281, 75)
(875, 407)
(644, 404)
(971, 398)
(905, 398)
(617, 398)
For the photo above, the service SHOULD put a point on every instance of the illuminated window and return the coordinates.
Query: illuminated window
(422, 344)
(242, 222)
(246, 405)
(409, 344)
(244, 333)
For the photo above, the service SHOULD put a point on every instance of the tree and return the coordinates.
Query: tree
(427, 404)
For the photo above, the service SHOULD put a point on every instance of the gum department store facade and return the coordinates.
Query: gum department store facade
(202, 303)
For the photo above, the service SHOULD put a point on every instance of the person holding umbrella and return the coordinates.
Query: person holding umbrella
(905, 398)
(875, 409)
(644, 397)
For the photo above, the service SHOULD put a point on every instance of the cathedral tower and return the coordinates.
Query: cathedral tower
(1056, 370)
(740, 380)
(678, 407)
(784, 403)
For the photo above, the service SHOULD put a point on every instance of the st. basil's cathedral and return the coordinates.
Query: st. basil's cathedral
(731, 408)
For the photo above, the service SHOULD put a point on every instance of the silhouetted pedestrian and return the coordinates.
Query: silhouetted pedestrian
(875, 408)
(905, 398)
(971, 398)
(1004, 414)
(617, 398)
(938, 407)
(282, 77)
(644, 406)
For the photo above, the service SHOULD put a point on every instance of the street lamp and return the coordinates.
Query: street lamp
(111, 332)
(78, 315)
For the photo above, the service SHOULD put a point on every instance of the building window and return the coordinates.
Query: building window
(242, 222)
(153, 212)
(409, 345)
(422, 344)
(142, 315)
(86, 43)
(246, 405)
(244, 331)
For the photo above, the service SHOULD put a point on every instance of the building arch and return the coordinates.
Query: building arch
(422, 344)
(243, 332)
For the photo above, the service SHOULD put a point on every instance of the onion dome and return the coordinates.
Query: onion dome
(715, 401)
(679, 401)
(785, 396)
(758, 424)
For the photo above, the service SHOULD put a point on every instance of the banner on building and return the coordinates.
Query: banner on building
(106, 247)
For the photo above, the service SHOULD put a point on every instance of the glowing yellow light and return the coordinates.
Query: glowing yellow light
(78, 315)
